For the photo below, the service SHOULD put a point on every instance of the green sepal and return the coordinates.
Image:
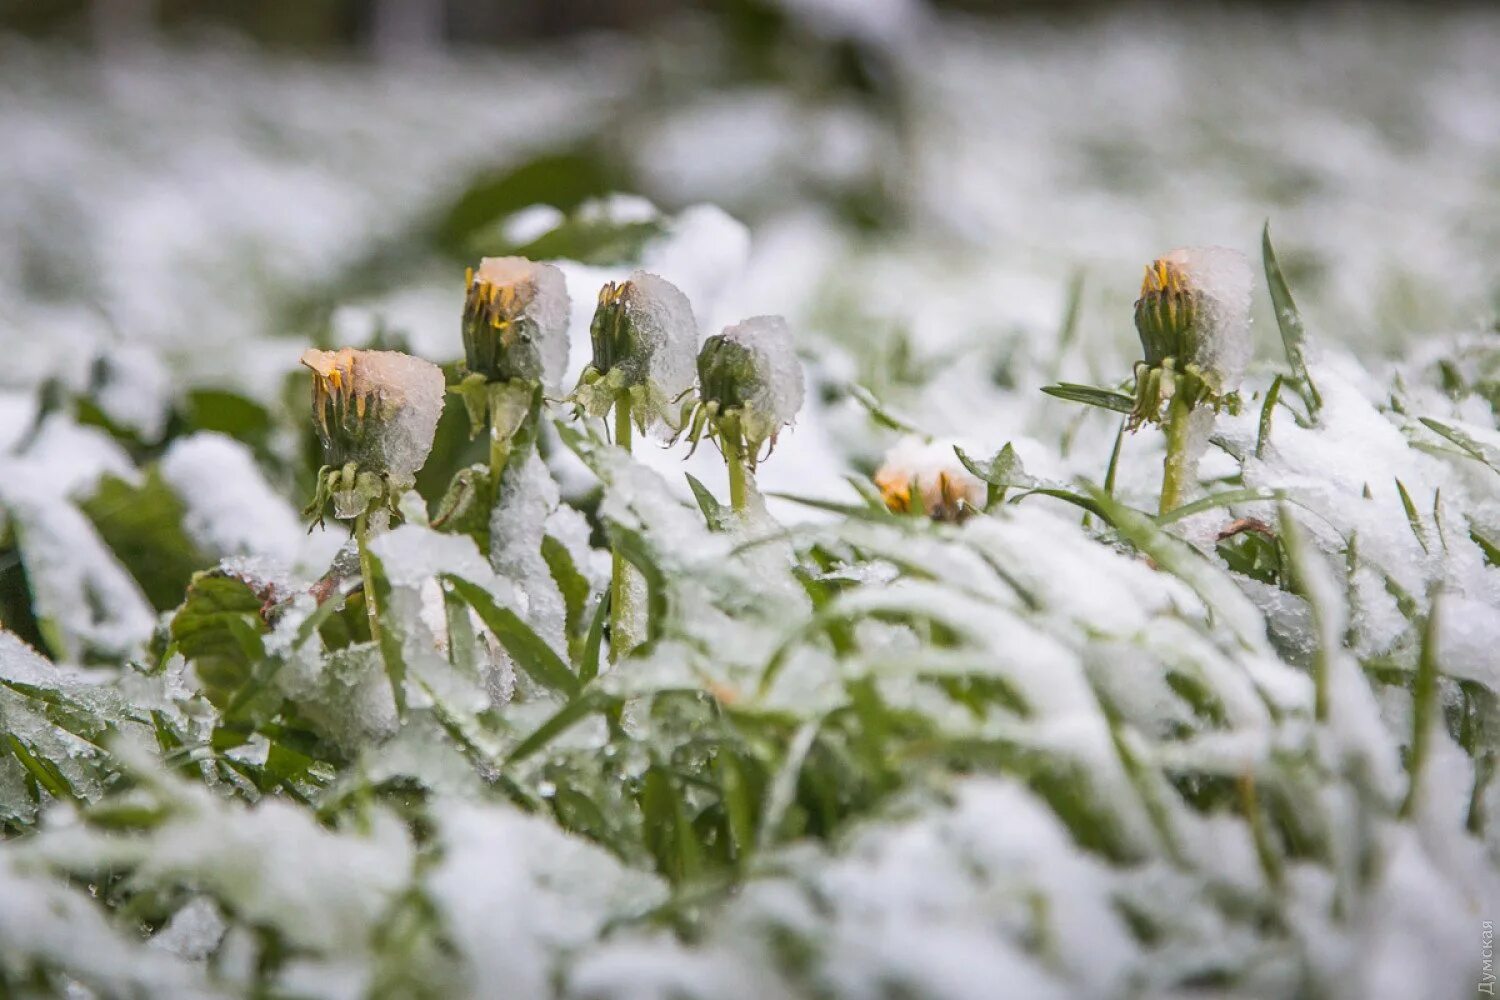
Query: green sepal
(474, 391)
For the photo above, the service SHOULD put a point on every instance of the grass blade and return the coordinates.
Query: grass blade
(1267, 410)
(1247, 495)
(524, 646)
(1424, 708)
(561, 721)
(882, 416)
(1412, 517)
(1289, 321)
(1092, 395)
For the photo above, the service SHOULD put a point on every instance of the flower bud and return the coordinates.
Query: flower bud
(1164, 313)
(750, 372)
(1193, 318)
(644, 328)
(929, 476)
(375, 413)
(516, 321)
(644, 337)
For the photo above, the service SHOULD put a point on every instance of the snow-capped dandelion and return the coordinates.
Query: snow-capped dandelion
(643, 335)
(750, 388)
(1193, 318)
(926, 477)
(515, 321)
(375, 413)
(515, 331)
(644, 339)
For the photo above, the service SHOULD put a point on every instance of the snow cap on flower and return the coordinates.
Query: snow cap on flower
(644, 332)
(377, 409)
(751, 371)
(1193, 318)
(516, 321)
(929, 474)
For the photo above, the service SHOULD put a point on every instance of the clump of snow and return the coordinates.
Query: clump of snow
(542, 293)
(272, 865)
(930, 472)
(531, 223)
(394, 398)
(79, 590)
(618, 209)
(1220, 341)
(194, 931)
(517, 893)
(413, 559)
(412, 554)
(231, 509)
(134, 387)
(776, 388)
(880, 22)
(665, 341)
(527, 498)
(43, 920)
(67, 460)
(410, 391)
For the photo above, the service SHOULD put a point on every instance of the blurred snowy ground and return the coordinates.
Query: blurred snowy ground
(176, 218)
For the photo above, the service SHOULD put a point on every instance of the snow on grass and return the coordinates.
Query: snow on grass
(1056, 747)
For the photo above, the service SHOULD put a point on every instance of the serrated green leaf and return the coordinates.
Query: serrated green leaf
(218, 629)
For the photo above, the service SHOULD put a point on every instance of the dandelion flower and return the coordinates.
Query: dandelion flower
(516, 321)
(375, 413)
(750, 373)
(1193, 318)
(927, 477)
(644, 339)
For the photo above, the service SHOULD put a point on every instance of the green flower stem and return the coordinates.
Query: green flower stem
(1425, 707)
(734, 459)
(1270, 863)
(1176, 468)
(620, 639)
(367, 573)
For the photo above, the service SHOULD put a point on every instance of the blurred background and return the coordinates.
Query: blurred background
(176, 170)
(951, 201)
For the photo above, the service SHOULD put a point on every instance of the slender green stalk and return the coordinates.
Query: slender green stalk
(367, 573)
(1424, 709)
(1270, 863)
(1176, 467)
(620, 640)
(734, 459)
